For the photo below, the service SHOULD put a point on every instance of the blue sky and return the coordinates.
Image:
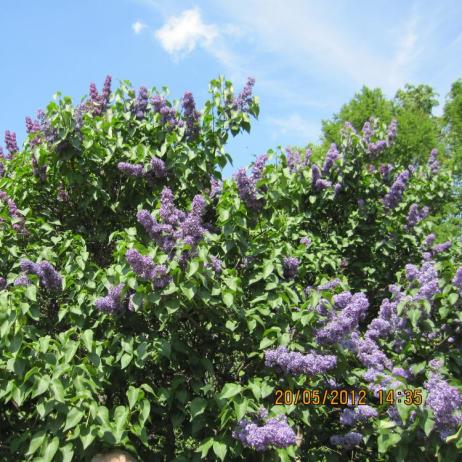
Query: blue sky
(308, 57)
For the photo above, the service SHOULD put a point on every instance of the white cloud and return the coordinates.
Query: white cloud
(295, 124)
(138, 26)
(181, 34)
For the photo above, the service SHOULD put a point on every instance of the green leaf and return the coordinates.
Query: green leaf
(219, 449)
(67, 452)
(35, 442)
(126, 359)
(51, 449)
(133, 395)
(31, 293)
(74, 416)
(87, 338)
(197, 407)
(230, 390)
(228, 298)
(205, 447)
(42, 386)
(268, 268)
(58, 390)
(266, 342)
(193, 267)
(387, 440)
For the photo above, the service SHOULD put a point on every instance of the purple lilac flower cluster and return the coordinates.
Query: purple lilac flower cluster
(32, 127)
(22, 280)
(331, 156)
(433, 162)
(387, 320)
(215, 264)
(246, 185)
(295, 363)
(439, 248)
(11, 143)
(2, 283)
(290, 265)
(305, 241)
(457, 280)
(147, 269)
(14, 213)
(49, 277)
(98, 103)
(275, 432)
(369, 353)
(427, 278)
(39, 171)
(385, 170)
(136, 170)
(367, 130)
(293, 160)
(112, 302)
(168, 114)
(348, 441)
(416, 215)
(215, 187)
(359, 414)
(141, 103)
(191, 115)
(374, 149)
(392, 129)
(318, 183)
(346, 320)
(428, 241)
(177, 225)
(393, 197)
(49, 132)
(244, 99)
(445, 402)
(330, 285)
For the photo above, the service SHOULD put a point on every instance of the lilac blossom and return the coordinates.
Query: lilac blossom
(322, 184)
(14, 213)
(147, 269)
(445, 401)
(457, 280)
(295, 363)
(331, 156)
(291, 265)
(191, 115)
(293, 160)
(416, 215)
(344, 321)
(433, 162)
(376, 148)
(426, 278)
(2, 283)
(136, 170)
(330, 285)
(112, 302)
(49, 132)
(38, 170)
(429, 239)
(393, 197)
(391, 132)
(49, 277)
(158, 167)
(141, 103)
(215, 187)
(385, 170)
(275, 432)
(441, 247)
(10, 142)
(369, 353)
(337, 188)
(358, 414)
(32, 127)
(215, 264)
(246, 186)
(305, 241)
(348, 441)
(244, 99)
(22, 280)
(63, 195)
(367, 131)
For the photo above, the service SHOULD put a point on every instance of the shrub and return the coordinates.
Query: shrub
(147, 305)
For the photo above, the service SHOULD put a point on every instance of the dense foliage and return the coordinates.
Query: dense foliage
(146, 304)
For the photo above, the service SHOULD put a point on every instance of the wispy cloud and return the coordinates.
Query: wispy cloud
(295, 124)
(181, 34)
(138, 26)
